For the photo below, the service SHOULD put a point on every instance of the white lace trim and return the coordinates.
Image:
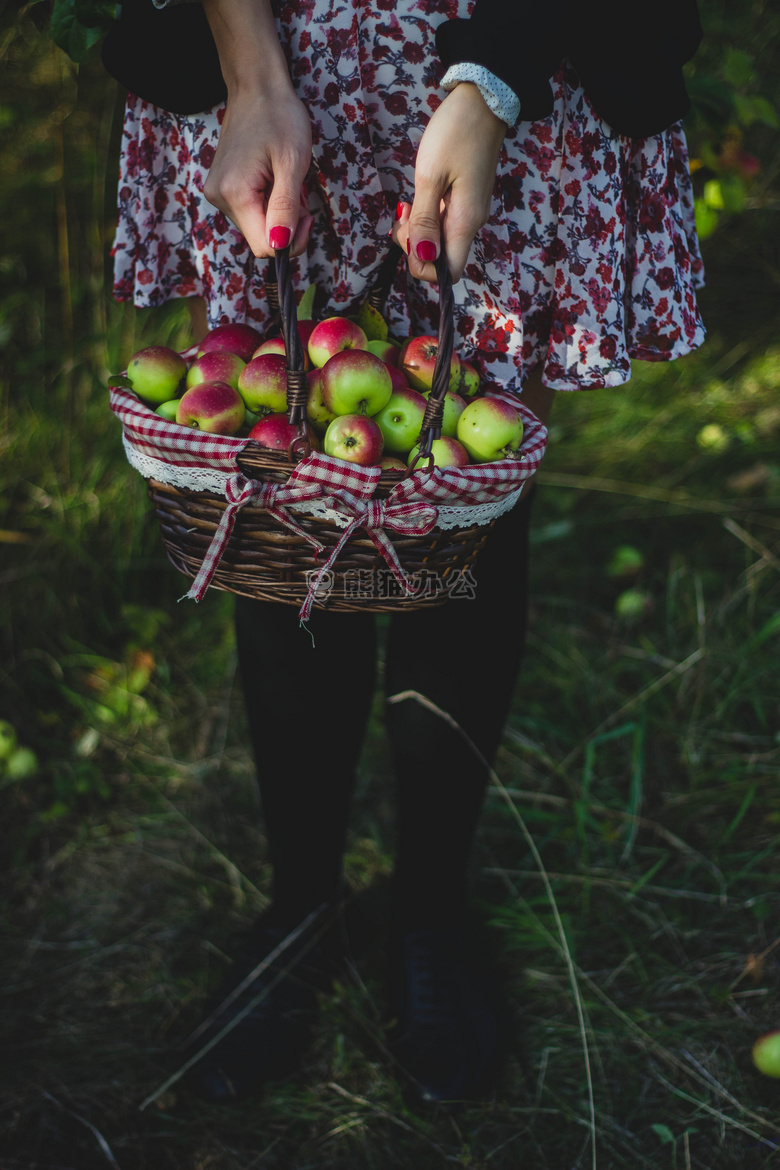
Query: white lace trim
(498, 96)
(202, 479)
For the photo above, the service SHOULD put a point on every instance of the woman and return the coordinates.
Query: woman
(541, 148)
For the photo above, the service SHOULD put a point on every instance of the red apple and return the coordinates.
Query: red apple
(391, 463)
(469, 380)
(446, 452)
(355, 438)
(274, 432)
(454, 406)
(263, 384)
(276, 345)
(417, 360)
(490, 430)
(400, 421)
(218, 366)
(316, 411)
(333, 335)
(214, 407)
(386, 351)
(355, 382)
(397, 378)
(236, 338)
(157, 374)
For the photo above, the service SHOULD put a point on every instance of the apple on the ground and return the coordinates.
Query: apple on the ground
(157, 374)
(417, 360)
(446, 452)
(237, 338)
(316, 411)
(454, 406)
(401, 419)
(214, 407)
(766, 1054)
(490, 430)
(218, 366)
(355, 438)
(354, 381)
(333, 335)
(263, 384)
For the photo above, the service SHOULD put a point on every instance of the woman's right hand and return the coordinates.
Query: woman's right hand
(258, 174)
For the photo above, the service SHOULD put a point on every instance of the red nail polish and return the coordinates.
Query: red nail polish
(399, 211)
(279, 237)
(426, 251)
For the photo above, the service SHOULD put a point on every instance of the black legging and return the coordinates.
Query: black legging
(308, 706)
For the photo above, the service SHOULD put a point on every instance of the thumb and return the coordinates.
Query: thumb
(424, 240)
(287, 199)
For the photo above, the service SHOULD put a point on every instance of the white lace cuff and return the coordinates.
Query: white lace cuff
(502, 100)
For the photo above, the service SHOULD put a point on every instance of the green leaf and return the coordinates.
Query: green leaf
(706, 219)
(765, 112)
(69, 34)
(120, 382)
(371, 322)
(306, 304)
(664, 1133)
(739, 67)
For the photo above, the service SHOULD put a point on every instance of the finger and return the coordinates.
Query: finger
(301, 238)
(462, 220)
(286, 203)
(424, 243)
(400, 228)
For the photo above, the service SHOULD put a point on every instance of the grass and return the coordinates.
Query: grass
(642, 752)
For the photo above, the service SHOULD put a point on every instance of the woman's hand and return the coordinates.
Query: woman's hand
(258, 173)
(453, 182)
(264, 152)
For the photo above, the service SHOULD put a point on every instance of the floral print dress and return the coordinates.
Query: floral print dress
(589, 258)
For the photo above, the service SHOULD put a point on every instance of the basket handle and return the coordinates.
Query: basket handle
(297, 385)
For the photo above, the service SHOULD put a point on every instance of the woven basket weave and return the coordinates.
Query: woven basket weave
(274, 561)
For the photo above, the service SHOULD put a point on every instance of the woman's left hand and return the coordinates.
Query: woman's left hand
(453, 183)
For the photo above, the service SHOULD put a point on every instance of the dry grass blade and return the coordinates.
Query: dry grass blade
(430, 706)
(754, 545)
(83, 1121)
(642, 491)
(377, 1111)
(721, 1116)
(253, 1003)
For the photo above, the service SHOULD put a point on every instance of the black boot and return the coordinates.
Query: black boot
(449, 1018)
(269, 1001)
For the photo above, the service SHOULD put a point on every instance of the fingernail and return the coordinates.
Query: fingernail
(408, 246)
(399, 211)
(279, 237)
(426, 251)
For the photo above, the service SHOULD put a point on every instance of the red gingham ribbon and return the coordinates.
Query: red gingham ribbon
(413, 519)
(240, 491)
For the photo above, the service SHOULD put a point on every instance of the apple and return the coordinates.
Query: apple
(355, 382)
(490, 430)
(391, 463)
(386, 351)
(8, 740)
(276, 345)
(157, 374)
(766, 1054)
(354, 437)
(333, 335)
(469, 380)
(447, 452)
(274, 432)
(400, 421)
(169, 409)
(218, 366)
(214, 407)
(454, 406)
(316, 411)
(236, 338)
(263, 384)
(417, 360)
(397, 379)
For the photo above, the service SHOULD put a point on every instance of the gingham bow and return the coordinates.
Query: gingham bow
(413, 519)
(240, 491)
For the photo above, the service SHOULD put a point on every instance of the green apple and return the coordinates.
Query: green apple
(454, 406)
(157, 374)
(168, 409)
(490, 430)
(401, 420)
(354, 381)
(766, 1054)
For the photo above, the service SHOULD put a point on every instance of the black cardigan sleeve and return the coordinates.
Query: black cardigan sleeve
(629, 58)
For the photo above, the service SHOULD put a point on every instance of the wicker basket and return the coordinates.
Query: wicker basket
(277, 551)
